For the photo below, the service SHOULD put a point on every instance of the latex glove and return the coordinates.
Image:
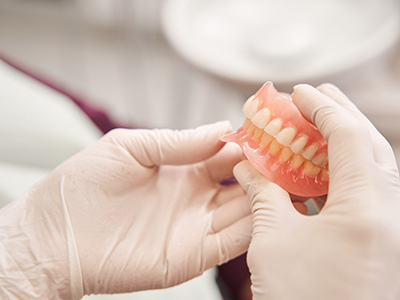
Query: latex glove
(141, 209)
(351, 249)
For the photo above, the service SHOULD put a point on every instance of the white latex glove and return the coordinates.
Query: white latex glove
(351, 249)
(141, 209)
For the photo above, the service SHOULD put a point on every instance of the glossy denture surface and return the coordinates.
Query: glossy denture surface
(280, 142)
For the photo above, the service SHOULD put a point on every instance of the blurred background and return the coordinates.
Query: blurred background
(116, 55)
(182, 63)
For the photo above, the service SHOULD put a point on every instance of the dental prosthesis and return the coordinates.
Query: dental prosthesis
(281, 144)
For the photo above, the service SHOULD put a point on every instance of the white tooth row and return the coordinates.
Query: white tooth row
(285, 136)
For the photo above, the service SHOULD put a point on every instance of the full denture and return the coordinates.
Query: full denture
(284, 138)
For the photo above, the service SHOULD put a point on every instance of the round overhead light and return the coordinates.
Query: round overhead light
(280, 40)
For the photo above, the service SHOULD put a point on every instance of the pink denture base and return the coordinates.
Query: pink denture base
(292, 180)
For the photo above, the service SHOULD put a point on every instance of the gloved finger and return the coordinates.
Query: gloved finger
(235, 190)
(230, 212)
(220, 166)
(265, 195)
(228, 243)
(228, 193)
(172, 147)
(349, 140)
(339, 97)
(382, 151)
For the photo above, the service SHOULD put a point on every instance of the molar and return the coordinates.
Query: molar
(261, 118)
(309, 152)
(310, 169)
(321, 159)
(325, 174)
(273, 127)
(286, 136)
(250, 107)
(298, 145)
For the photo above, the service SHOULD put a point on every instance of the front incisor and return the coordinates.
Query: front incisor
(286, 136)
(250, 107)
(273, 127)
(310, 151)
(261, 118)
(298, 144)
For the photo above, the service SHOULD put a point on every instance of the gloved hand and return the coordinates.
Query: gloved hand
(140, 209)
(351, 249)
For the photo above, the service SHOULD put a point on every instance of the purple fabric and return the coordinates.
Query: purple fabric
(235, 275)
(98, 116)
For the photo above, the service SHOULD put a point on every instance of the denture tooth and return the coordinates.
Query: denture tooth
(246, 124)
(321, 159)
(251, 129)
(297, 161)
(310, 169)
(298, 144)
(286, 153)
(250, 107)
(275, 147)
(266, 139)
(273, 127)
(258, 133)
(261, 118)
(286, 136)
(309, 152)
(325, 174)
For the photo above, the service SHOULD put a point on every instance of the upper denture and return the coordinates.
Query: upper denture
(282, 144)
(283, 138)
